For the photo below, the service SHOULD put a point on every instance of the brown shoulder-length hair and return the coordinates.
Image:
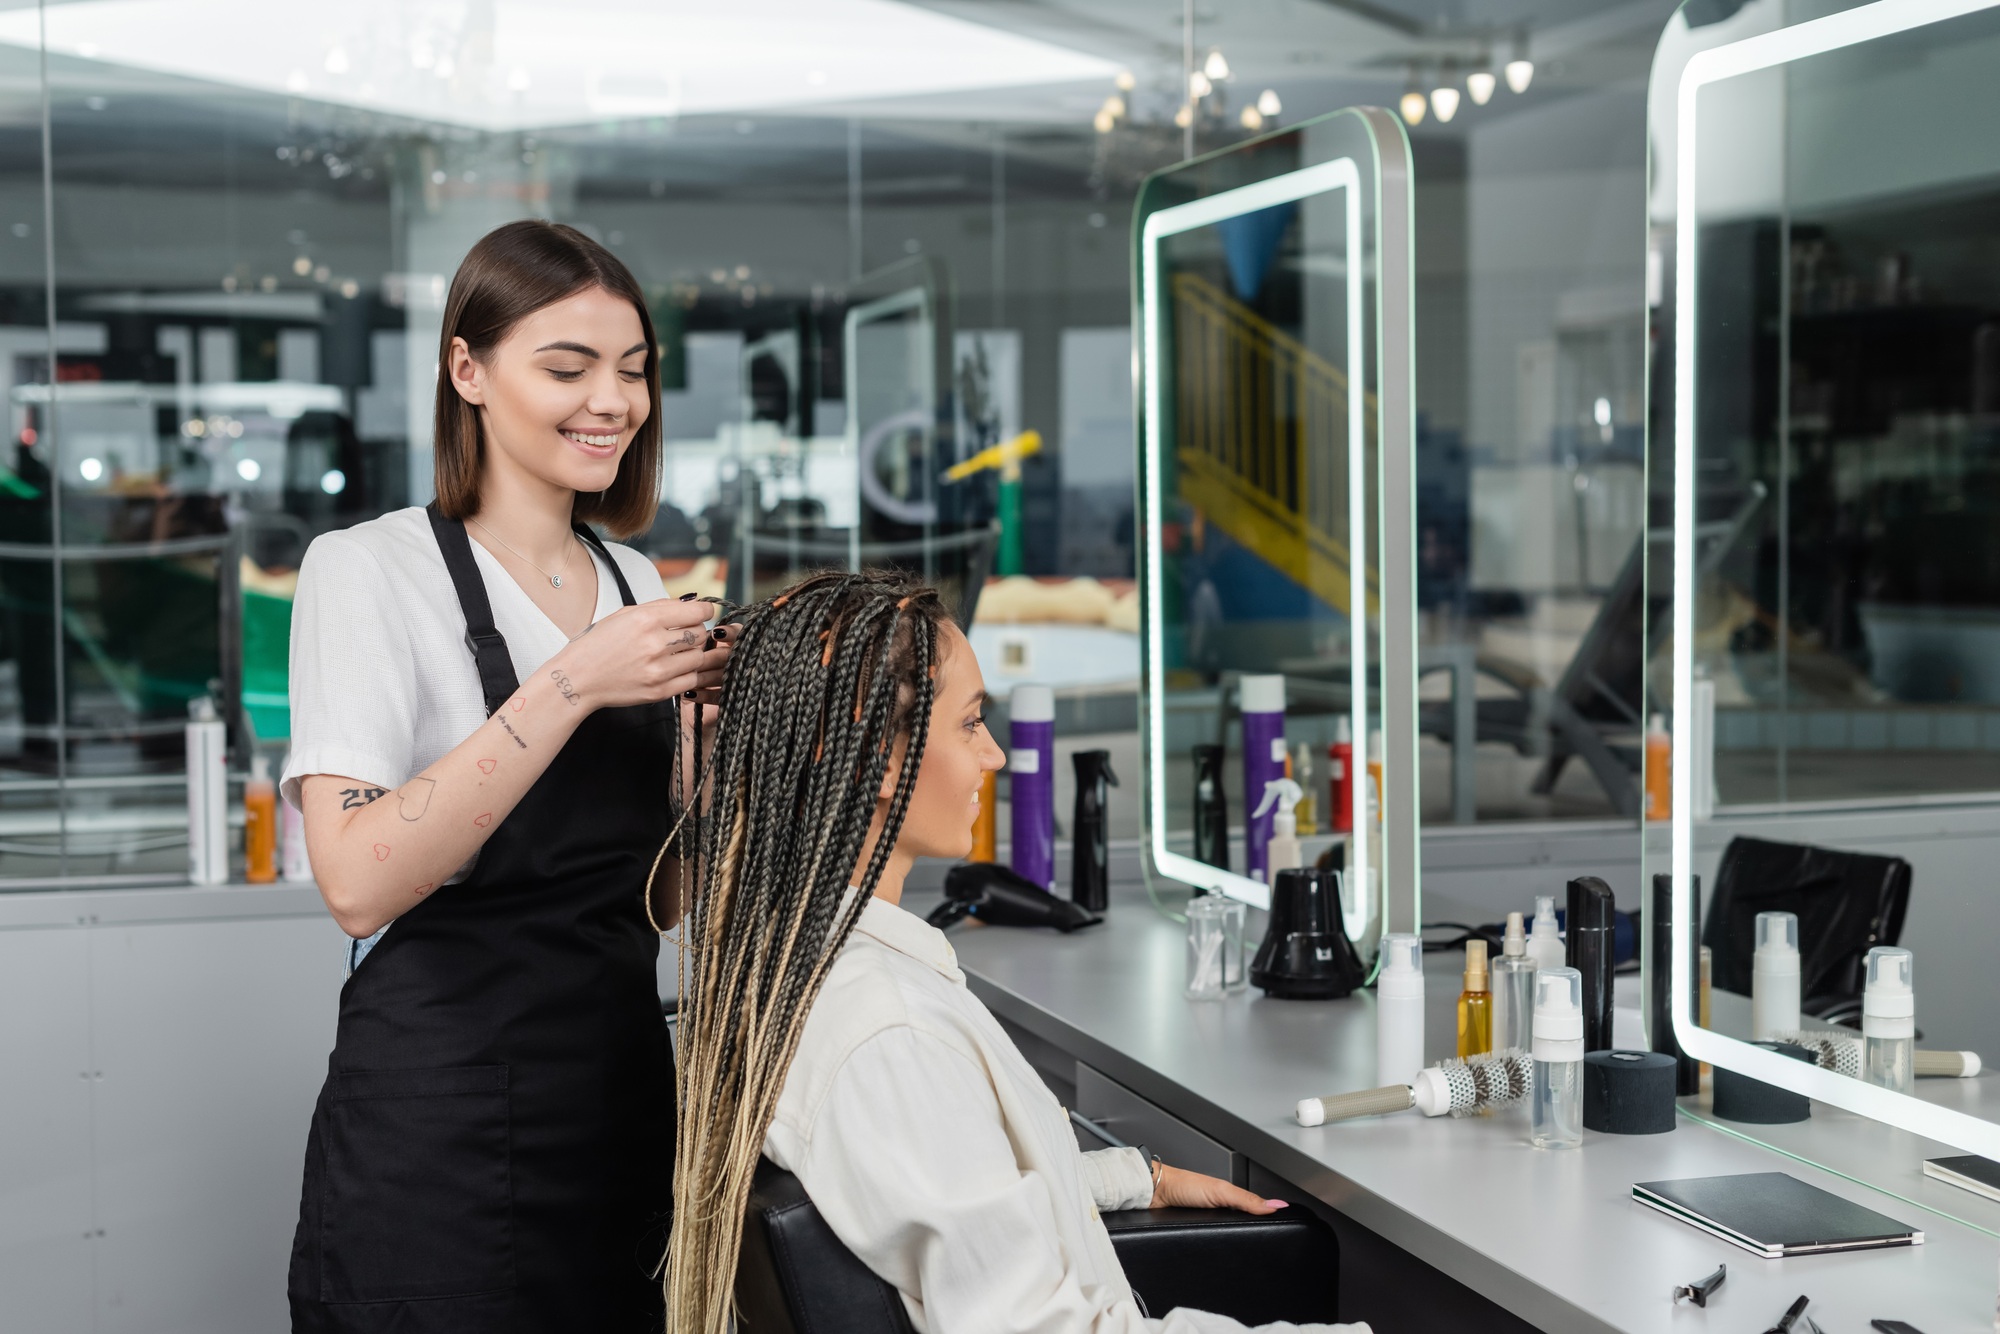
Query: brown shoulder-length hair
(510, 274)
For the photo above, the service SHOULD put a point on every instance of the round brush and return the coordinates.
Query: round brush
(1842, 1055)
(1458, 1088)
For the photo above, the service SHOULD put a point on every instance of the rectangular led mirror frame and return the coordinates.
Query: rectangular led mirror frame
(1767, 94)
(1292, 511)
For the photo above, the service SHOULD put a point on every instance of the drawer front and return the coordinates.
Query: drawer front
(1129, 1118)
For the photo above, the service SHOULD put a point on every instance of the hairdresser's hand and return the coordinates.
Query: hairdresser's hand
(1181, 1189)
(636, 655)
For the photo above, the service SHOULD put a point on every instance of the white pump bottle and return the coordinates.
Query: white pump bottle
(1282, 852)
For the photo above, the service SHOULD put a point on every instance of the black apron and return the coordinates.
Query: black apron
(493, 1148)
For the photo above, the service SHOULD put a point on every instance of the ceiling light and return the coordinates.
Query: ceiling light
(1444, 102)
(1185, 116)
(1413, 107)
(673, 57)
(336, 61)
(519, 80)
(1520, 73)
(1114, 105)
(302, 266)
(1252, 118)
(333, 481)
(1268, 103)
(1104, 121)
(1198, 85)
(349, 288)
(1480, 83)
(249, 469)
(90, 469)
(1125, 83)
(1215, 67)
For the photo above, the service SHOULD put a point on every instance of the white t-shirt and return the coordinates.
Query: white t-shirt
(383, 684)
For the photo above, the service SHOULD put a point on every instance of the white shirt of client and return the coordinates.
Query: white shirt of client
(934, 1151)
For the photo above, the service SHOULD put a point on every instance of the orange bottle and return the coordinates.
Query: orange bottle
(260, 824)
(983, 845)
(1659, 770)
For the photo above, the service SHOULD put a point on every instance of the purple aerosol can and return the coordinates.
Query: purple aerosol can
(1031, 777)
(1263, 761)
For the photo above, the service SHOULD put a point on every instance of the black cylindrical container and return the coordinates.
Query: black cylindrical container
(1306, 954)
(1660, 930)
(1090, 870)
(1211, 808)
(1589, 926)
(1741, 1098)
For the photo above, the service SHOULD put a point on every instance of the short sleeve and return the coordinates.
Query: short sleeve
(353, 676)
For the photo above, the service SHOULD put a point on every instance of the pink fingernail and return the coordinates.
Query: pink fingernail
(1277, 1204)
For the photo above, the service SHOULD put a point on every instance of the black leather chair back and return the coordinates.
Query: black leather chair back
(796, 1277)
(1847, 903)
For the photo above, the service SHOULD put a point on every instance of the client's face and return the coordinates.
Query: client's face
(958, 753)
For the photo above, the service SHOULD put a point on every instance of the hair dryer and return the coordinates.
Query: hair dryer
(1003, 897)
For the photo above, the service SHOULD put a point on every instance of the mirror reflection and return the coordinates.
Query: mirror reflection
(1259, 276)
(1831, 322)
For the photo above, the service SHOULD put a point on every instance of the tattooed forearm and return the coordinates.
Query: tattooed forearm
(354, 797)
(415, 798)
(561, 679)
(508, 728)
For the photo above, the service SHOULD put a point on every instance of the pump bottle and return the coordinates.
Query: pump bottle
(1475, 1004)
(1774, 976)
(1889, 1019)
(207, 794)
(1281, 798)
(1555, 1117)
(1545, 942)
(1513, 987)
(1399, 1011)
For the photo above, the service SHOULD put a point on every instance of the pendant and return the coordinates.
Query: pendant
(555, 580)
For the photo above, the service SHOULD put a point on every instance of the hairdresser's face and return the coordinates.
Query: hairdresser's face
(561, 397)
(958, 753)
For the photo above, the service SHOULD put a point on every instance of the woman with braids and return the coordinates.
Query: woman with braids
(485, 786)
(827, 1029)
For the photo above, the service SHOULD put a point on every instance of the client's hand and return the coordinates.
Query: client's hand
(1182, 1189)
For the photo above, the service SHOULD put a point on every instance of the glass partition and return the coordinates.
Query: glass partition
(1273, 309)
(1826, 199)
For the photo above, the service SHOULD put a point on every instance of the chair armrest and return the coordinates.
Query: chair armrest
(1282, 1266)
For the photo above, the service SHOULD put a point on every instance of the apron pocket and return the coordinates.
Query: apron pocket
(418, 1199)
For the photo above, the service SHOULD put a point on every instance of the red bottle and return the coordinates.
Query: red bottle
(1340, 778)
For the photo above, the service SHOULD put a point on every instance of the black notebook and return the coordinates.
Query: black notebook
(1773, 1215)
(1979, 1175)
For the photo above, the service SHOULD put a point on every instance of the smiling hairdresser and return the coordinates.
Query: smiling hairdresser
(485, 786)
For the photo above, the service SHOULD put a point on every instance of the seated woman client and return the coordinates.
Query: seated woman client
(827, 1029)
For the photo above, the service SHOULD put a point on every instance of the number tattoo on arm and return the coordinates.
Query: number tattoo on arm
(352, 798)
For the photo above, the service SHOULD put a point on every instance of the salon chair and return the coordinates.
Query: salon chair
(795, 1276)
(1847, 903)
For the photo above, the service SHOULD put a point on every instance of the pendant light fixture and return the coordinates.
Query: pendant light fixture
(1444, 96)
(1520, 70)
(1481, 83)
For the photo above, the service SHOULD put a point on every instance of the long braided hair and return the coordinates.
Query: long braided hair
(823, 681)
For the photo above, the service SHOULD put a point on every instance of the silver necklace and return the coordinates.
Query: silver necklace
(555, 580)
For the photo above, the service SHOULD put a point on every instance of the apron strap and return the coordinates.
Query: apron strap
(596, 543)
(489, 649)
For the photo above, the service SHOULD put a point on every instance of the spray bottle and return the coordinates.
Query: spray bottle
(1399, 1010)
(1263, 761)
(1281, 798)
(1211, 807)
(1889, 1019)
(207, 795)
(1513, 985)
(1090, 866)
(1031, 767)
(260, 824)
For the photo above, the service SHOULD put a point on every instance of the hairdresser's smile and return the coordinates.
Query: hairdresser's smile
(596, 445)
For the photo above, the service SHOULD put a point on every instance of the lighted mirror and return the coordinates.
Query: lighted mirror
(1826, 243)
(1276, 563)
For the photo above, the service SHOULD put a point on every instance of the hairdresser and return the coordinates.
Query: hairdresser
(488, 748)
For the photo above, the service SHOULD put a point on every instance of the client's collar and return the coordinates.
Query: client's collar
(907, 933)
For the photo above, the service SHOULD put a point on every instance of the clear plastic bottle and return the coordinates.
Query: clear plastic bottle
(1513, 986)
(1889, 1019)
(1545, 942)
(1399, 1011)
(1555, 1116)
(1774, 976)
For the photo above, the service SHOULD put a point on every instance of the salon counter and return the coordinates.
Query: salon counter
(1552, 1237)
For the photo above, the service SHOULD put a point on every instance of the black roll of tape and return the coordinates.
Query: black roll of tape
(1752, 1101)
(1628, 1092)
